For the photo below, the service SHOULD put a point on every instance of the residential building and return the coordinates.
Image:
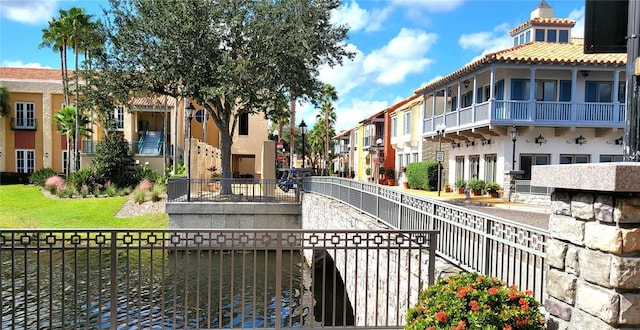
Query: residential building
(377, 152)
(405, 130)
(561, 105)
(29, 139)
(343, 154)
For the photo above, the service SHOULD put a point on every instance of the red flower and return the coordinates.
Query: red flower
(493, 291)
(529, 292)
(474, 305)
(507, 327)
(461, 294)
(522, 301)
(525, 307)
(513, 294)
(461, 325)
(441, 317)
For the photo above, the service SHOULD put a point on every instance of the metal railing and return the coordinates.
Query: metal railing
(229, 190)
(157, 279)
(474, 241)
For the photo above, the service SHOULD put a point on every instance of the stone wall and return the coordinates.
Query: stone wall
(323, 213)
(594, 247)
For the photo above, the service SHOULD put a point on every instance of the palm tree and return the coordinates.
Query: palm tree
(65, 119)
(4, 101)
(327, 115)
(56, 37)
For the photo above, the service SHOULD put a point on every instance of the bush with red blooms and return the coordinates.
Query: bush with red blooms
(473, 301)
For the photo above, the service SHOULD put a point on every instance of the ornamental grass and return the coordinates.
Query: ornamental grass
(473, 301)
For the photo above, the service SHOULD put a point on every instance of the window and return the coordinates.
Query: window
(527, 37)
(519, 89)
(551, 35)
(565, 91)
(611, 158)
(598, 91)
(394, 126)
(499, 90)
(539, 35)
(459, 168)
(574, 159)
(467, 99)
(563, 36)
(474, 167)
(118, 117)
(414, 157)
(407, 122)
(547, 90)
(243, 125)
(490, 171)
(25, 115)
(622, 88)
(454, 103)
(528, 160)
(25, 161)
(515, 41)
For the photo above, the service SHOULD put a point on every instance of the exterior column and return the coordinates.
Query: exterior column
(593, 250)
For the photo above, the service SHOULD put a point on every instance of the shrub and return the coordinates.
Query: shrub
(146, 173)
(84, 191)
(66, 192)
(110, 190)
(476, 184)
(422, 175)
(83, 177)
(139, 197)
(145, 185)
(156, 192)
(472, 301)
(113, 161)
(54, 184)
(461, 183)
(40, 176)
(492, 187)
(391, 173)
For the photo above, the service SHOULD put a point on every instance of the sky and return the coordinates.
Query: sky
(400, 45)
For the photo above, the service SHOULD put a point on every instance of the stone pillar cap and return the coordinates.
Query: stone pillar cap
(613, 177)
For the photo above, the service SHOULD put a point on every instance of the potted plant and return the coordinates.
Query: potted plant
(391, 176)
(447, 187)
(476, 187)
(473, 301)
(382, 176)
(461, 184)
(492, 188)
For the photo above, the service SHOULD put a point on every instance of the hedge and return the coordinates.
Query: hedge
(423, 175)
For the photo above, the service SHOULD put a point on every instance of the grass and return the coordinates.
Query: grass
(27, 207)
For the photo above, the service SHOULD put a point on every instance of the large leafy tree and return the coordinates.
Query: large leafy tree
(5, 109)
(231, 57)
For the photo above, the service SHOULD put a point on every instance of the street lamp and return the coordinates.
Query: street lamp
(303, 131)
(514, 136)
(440, 155)
(188, 110)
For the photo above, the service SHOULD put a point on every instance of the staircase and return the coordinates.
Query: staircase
(152, 143)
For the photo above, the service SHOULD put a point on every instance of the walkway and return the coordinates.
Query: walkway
(533, 215)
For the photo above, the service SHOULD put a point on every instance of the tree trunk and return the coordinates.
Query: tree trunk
(292, 130)
(225, 149)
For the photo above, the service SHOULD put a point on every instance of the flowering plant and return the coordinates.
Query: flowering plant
(473, 301)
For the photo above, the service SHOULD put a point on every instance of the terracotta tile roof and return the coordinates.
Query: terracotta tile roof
(148, 101)
(541, 21)
(537, 53)
(30, 74)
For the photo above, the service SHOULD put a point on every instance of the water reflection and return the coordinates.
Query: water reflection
(156, 289)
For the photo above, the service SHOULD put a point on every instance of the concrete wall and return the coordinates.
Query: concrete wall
(323, 213)
(220, 215)
(594, 247)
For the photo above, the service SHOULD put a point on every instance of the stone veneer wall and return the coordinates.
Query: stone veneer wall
(594, 247)
(323, 213)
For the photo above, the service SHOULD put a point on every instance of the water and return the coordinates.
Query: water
(156, 289)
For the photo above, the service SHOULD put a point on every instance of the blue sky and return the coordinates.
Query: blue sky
(400, 44)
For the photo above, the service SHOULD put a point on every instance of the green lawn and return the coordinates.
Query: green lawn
(27, 207)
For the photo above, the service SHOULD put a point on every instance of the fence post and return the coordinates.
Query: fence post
(113, 308)
(278, 296)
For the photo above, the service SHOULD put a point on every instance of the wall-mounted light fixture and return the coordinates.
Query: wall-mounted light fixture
(540, 140)
(455, 145)
(466, 83)
(449, 91)
(619, 141)
(485, 141)
(585, 73)
(198, 150)
(46, 155)
(581, 140)
(470, 143)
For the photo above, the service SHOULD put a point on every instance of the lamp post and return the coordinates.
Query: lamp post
(440, 155)
(514, 136)
(303, 131)
(188, 110)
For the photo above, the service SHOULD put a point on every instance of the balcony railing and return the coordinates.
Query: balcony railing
(23, 124)
(192, 279)
(230, 190)
(532, 113)
(474, 241)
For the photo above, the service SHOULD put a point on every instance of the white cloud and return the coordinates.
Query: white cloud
(578, 16)
(346, 77)
(488, 41)
(403, 55)
(352, 15)
(28, 11)
(19, 64)
(355, 111)
(436, 6)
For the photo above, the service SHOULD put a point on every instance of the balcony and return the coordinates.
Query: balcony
(553, 114)
(23, 124)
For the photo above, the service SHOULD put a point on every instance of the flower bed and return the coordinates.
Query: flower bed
(472, 301)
